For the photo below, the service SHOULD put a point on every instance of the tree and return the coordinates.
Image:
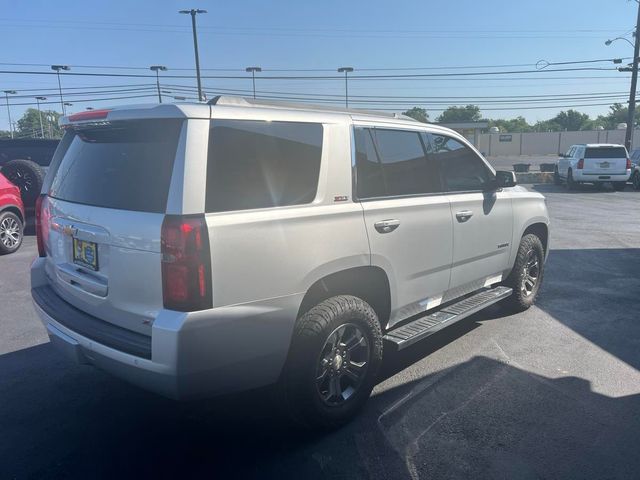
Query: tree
(515, 125)
(469, 113)
(5, 134)
(29, 124)
(572, 120)
(417, 113)
(617, 114)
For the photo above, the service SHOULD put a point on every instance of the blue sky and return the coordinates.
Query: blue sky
(321, 35)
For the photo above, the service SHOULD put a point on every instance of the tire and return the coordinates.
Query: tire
(524, 295)
(619, 186)
(28, 176)
(571, 185)
(556, 177)
(635, 179)
(312, 368)
(11, 232)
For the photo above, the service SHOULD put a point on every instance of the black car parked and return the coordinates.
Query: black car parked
(24, 161)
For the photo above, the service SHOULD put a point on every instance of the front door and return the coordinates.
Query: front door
(482, 218)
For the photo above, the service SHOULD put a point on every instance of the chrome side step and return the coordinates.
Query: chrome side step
(422, 327)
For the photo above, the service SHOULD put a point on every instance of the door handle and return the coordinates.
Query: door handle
(464, 215)
(386, 226)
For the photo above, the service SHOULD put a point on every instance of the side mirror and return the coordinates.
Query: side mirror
(505, 179)
(561, 155)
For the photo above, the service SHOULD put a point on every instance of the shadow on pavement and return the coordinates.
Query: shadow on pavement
(481, 418)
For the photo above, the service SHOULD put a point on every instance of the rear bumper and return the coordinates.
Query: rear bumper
(193, 355)
(580, 176)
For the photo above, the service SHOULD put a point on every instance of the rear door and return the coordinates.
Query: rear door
(482, 219)
(407, 217)
(106, 203)
(605, 160)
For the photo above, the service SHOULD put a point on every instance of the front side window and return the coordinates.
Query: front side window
(260, 164)
(461, 168)
(392, 163)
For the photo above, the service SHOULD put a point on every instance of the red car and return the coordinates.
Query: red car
(11, 217)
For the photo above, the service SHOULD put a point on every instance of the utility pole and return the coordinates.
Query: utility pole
(634, 83)
(193, 12)
(6, 96)
(346, 70)
(38, 99)
(158, 69)
(57, 69)
(253, 71)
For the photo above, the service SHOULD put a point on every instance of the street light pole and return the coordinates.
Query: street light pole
(193, 12)
(57, 69)
(634, 83)
(346, 71)
(6, 96)
(40, 115)
(158, 69)
(253, 71)
(67, 104)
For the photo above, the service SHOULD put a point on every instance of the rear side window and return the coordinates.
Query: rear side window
(123, 165)
(461, 168)
(259, 164)
(392, 163)
(606, 152)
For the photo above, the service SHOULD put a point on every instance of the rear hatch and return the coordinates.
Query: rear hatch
(102, 218)
(605, 160)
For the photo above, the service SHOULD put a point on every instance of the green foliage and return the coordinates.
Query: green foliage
(469, 113)
(5, 134)
(29, 124)
(515, 125)
(617, 114)
(571, 120)
(417, 113)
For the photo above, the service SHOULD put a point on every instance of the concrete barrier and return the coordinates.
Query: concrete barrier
(534, 177)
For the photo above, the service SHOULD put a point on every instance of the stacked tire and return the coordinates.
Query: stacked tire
(28, 176)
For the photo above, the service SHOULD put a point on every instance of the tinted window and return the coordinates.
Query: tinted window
(125, 165)
(606, 152)
(461, 168)
(257, 164)
(391, 163)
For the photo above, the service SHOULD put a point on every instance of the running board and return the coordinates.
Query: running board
(416, 330)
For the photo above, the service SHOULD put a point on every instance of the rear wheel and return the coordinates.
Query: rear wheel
(27, 175)
(526, 276)
(332, 366)
(636, 180)
(619, 186)
(571, 185)
(11, 230)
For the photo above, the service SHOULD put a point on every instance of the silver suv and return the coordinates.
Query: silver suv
(201, 249)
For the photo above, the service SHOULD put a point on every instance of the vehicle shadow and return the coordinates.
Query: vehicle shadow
(545, 188)
(480, 419)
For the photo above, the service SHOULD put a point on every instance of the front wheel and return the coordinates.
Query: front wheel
(556, 177)
(11, 230)
(526, 276)
(335, 355)
(636, 180)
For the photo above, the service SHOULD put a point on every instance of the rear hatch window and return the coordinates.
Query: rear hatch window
(606, 152)
(124, 165)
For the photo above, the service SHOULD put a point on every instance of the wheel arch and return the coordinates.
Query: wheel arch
(541, 230)
(14, 209)
(370, 283)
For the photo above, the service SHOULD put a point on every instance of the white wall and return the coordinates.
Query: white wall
(547, 143)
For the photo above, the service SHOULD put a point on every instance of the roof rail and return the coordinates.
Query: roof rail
(230, 100)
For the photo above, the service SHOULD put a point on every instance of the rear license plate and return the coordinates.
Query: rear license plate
(605, 165)
(85, 254)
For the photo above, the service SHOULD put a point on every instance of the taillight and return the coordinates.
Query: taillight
(628, 163)
(40, 226)
(581, 164)
(186, 263)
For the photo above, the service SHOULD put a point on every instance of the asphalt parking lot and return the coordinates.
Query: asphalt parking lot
(550, 393)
